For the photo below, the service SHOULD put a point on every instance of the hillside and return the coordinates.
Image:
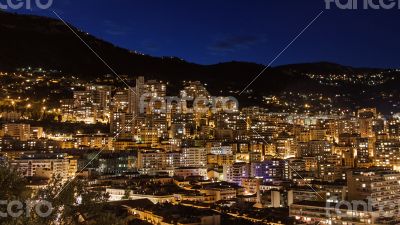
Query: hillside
(45, 42)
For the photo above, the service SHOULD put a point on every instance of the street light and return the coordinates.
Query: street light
(13, 104)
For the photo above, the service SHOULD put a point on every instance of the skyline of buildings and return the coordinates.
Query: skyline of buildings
(196, 149)
(188, 124)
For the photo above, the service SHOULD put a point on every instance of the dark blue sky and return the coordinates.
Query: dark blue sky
(212, 31)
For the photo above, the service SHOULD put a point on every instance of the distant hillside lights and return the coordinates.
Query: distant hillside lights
(363, 4)
(26, 4)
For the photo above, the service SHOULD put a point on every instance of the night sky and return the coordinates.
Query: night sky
(212, 31)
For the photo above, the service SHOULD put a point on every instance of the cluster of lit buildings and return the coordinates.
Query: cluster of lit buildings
(306, 163)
